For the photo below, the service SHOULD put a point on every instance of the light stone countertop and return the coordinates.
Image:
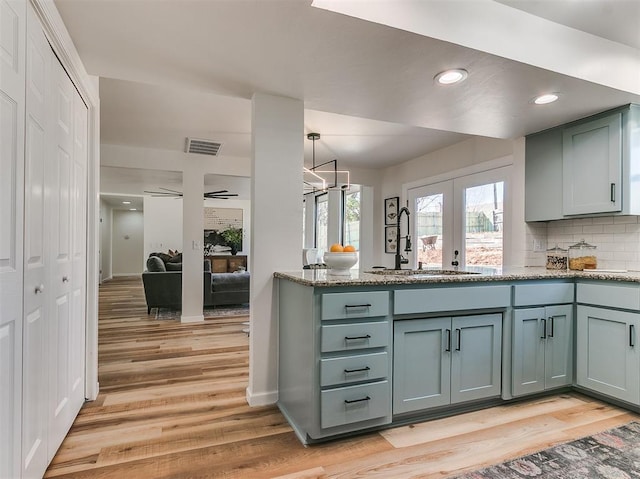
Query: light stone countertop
(325, 278)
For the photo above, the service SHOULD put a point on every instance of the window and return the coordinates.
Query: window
(322, 222)
(351, 215)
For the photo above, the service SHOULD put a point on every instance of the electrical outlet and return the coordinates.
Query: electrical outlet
(539, 245)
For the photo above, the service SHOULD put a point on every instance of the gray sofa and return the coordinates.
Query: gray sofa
(163, 287)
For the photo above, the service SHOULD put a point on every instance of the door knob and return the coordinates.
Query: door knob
(39, 288)
(65, 279)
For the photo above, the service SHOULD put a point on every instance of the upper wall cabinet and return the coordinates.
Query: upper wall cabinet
(589, 167)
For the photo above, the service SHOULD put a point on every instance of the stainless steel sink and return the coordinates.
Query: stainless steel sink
(421, 272)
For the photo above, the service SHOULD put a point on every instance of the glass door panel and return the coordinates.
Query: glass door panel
(482, 218)
(431, 224)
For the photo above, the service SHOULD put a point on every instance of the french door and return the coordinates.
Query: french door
(460, 222)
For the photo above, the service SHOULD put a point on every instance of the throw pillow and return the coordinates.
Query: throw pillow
(173, 266)
(155, 264)
(175, 259)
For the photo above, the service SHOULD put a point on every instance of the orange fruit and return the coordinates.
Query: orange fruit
(349, 249)
(336, 248)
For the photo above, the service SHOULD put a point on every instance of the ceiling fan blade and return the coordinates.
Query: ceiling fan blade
(223, 196)
(172, 191)
(162, 193)
(216, 192)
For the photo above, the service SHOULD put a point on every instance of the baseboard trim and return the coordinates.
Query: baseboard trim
(192, 319)
(261, 399)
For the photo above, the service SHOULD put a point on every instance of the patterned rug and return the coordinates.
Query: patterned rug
(613, 454)
(217, 312)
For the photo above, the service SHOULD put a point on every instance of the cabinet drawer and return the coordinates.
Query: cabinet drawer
(362, 367)
(545, 293)
(354, 404)
(355, 305)
(345, 337)
(410, 301)
(623, 297)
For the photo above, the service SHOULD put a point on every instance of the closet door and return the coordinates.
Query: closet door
(59, 214)
(37, 292)
(12, 104)
(78, 257)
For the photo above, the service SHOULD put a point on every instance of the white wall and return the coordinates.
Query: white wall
(459, 157)
(127, 241)
(163, 223)
(105, 241)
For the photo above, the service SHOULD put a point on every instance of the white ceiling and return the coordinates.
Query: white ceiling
(176, 68)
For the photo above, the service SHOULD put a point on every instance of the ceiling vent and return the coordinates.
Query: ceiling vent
(203, 147)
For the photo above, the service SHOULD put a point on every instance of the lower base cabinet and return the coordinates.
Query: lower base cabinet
(608, 356)
(542, 348)
(447, 360)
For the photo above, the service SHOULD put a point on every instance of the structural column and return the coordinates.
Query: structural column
(276, 226)
(192, 239)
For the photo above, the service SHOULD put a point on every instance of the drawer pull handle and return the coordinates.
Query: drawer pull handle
(347, 306)
(359, 370)
(459, 335)
(366, 398)
(632, 333)
(356, 338)
(544, 329)
(551, 327)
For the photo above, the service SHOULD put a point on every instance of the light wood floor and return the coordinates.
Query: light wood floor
(172, 405)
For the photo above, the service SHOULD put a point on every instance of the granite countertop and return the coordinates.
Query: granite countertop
(324, 277)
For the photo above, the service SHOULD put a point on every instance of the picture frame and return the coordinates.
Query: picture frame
(390, 239)
(391, 210)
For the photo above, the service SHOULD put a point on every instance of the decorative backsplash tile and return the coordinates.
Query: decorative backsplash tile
(617, 239)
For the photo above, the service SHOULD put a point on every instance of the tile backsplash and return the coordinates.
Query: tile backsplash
(617, 239)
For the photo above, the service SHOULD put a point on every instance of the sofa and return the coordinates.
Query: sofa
(163, 285)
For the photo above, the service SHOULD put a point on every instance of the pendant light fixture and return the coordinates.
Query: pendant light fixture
(325, 176)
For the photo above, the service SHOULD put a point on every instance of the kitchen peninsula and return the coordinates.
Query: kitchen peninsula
(376, 349)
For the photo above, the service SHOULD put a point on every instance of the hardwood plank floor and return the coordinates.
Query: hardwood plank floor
(172, 405)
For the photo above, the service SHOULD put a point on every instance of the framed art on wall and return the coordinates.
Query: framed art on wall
(390, 239)
(391, 210)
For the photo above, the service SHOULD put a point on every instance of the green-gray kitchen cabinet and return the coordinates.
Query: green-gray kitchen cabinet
(446, 360)
(607, 356)
(542, 349)
(589, 167)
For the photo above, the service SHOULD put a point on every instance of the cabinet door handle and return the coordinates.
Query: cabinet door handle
(359, 370)
(544, 329)
(613, 192)
(459, 339)
(347, 306)
(355, 338)
(448, 348)
(632, 333)
(551, 327)
(366, 398)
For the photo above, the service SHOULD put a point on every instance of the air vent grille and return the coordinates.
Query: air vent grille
(203, 147)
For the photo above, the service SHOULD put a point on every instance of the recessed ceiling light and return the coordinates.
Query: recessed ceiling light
(133, 209)
(449, 77)
(126, 202)
(546, 98)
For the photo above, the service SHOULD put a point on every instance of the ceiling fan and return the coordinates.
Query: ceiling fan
(218, 195)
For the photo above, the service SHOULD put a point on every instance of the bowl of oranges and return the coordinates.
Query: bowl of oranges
(339, 259)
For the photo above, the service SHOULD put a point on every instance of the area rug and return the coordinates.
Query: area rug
(217, 312)
(613, 454)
